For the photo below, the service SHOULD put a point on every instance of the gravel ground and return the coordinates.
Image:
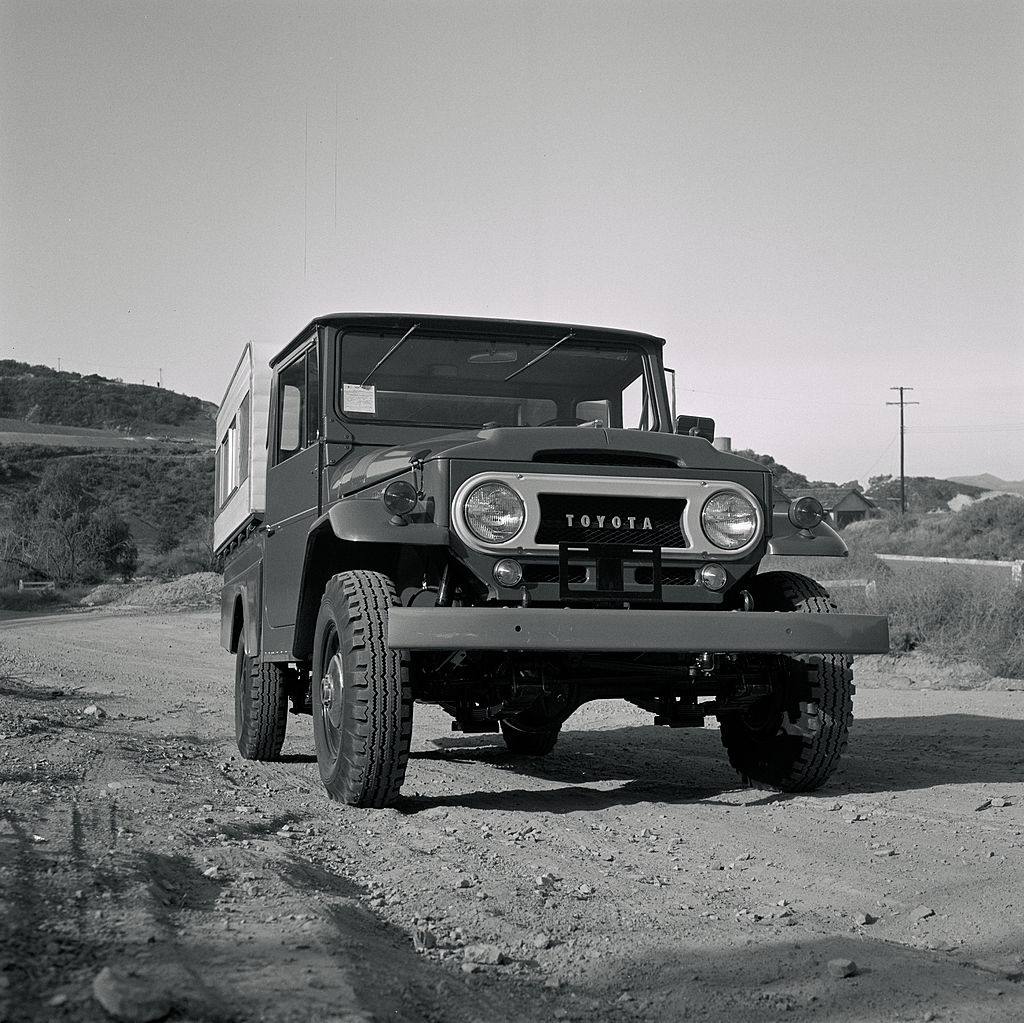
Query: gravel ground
(148, 872)
(191, 591)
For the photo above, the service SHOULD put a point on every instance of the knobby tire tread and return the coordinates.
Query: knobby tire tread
(266, 711)
(377, 706)
(805, 749)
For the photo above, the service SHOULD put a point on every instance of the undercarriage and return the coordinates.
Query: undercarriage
(681, 690)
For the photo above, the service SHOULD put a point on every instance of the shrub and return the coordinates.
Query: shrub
(947, 611)
(13, 599)
(950, 611)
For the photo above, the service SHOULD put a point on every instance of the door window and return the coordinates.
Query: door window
(297, 406)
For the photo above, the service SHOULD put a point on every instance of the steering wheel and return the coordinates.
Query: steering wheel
(563, 421)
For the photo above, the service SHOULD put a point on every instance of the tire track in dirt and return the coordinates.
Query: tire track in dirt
(627, 876)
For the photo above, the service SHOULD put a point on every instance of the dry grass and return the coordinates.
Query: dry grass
(947, 610)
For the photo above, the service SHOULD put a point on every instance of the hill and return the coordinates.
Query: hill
(986, 481)
(35, 396)
(164, 492)
(17, 431)
(147, 452)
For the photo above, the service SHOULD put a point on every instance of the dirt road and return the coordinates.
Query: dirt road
(147, 872)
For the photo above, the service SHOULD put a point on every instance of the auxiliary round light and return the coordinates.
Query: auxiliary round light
(507, 572)
(713, 577)
(729, 520)
(400, 497)
(494, 512)
(806, 512)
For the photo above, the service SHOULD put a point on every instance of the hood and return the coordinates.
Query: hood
(582, 445)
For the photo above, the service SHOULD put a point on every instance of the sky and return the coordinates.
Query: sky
(812, 201)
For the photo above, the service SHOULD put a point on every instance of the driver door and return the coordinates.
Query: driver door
(293, 487)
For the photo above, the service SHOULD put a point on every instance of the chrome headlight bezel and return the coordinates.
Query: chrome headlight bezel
(494, 512)
(730, 520)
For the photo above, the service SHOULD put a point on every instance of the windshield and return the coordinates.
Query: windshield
(437, 380)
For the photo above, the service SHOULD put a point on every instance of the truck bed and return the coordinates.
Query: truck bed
(241, 446)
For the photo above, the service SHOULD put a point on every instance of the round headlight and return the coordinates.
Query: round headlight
(729, 520)
(494, 512)
(806, 512)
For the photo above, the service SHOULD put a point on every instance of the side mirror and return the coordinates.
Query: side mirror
(696, 426)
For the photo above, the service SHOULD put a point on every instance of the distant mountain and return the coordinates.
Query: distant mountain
(986, 481)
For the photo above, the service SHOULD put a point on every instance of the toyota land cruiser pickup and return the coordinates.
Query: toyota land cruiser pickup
(507, 519)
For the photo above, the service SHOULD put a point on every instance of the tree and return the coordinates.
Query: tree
(54, 521)
(114, 546)
(66, 534)
(14, 558)
(924, 493)
(193, 551)
(785, 479)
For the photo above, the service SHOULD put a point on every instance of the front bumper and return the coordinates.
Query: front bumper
(636, 631)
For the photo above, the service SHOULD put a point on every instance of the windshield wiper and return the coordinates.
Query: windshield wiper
(543, 355)
(391, 351)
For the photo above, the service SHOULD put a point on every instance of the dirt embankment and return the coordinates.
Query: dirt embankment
(147, 872)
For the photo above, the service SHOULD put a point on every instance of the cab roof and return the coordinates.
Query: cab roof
(466, 324)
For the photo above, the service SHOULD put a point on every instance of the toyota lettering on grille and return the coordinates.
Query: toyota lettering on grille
(598, 518)
(614, 521)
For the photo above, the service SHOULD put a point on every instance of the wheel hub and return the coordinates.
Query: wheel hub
(332, 687)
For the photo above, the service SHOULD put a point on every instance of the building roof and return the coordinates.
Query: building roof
(836, 498)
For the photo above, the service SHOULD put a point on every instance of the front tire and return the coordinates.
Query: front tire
(362, 701)
(793, 739)
(261, 706)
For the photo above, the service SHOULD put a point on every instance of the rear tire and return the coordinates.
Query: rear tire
(362, 701)
(261, 706)
(793, 739)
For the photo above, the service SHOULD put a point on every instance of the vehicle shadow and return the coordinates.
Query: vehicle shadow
(598, 769)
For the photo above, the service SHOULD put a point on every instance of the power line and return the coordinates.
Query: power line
(903, 477)
(867, 475)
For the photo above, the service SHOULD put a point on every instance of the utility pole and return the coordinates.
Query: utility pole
(903, 430)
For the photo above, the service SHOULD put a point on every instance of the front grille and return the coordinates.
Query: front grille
(669, 576)
(643, 576)
(596, 519)
(549, 574)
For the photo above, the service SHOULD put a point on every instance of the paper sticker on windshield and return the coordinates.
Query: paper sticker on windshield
(357, 398)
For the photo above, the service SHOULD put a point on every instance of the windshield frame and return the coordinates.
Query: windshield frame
(397, 342)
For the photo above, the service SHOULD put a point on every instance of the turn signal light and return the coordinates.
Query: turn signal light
(806, 512)
(507, 572)
(713, 577)
(400, 497)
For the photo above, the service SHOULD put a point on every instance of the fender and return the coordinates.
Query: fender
(242, 592)
(358, 529)
(790, 541)
(364, 521)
